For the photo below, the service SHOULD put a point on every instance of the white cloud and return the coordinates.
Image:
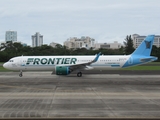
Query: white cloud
(58, 20)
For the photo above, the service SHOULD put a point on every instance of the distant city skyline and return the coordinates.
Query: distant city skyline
(57, 20)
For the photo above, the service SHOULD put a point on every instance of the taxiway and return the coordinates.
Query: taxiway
(42, 95)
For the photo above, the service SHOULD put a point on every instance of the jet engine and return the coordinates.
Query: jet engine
(62, 70)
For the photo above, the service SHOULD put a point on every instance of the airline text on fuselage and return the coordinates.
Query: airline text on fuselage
(51, 61)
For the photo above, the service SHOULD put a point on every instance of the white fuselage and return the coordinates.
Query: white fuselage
(48, 63)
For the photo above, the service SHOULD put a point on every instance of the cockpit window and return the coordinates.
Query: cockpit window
(11, 61)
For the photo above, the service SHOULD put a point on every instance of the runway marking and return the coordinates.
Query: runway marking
(22, 87)
(146, 96)
(53, 95)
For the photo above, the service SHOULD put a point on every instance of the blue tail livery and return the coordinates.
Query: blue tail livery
(142, 54)
(145, 47)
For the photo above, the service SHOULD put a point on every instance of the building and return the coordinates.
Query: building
(137, 40)
(11, 36)
(83, 42)
(37, 40)
(114, 45)
(53, 44)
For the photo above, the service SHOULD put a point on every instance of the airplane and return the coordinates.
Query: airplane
(64, 65)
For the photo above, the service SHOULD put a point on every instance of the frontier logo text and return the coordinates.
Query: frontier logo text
(51, 61)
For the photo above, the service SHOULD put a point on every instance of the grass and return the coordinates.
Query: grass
(3, 69)
(153, 63)
(142, 68)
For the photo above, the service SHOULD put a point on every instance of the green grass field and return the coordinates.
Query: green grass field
(154, 63)
(144, 67)
(3, 69)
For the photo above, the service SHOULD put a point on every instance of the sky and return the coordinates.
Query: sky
(57, 20)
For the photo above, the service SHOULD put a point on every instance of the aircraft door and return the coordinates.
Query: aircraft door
(22, 64)
(19, 63)
(130, 61)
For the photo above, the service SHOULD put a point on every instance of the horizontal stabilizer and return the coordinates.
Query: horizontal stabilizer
(148, 59)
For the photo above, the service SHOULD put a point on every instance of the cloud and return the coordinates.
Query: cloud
(57, 20)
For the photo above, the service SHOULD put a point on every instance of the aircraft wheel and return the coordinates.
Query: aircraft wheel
(20, 75)
(79, 74)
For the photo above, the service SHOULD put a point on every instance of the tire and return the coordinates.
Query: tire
(79, 74)
(20, 75)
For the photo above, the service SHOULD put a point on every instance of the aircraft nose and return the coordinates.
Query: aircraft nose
(5, 65)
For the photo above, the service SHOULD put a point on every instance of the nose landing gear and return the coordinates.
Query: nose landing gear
(20, 74)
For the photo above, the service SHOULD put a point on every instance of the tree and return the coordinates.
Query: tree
(59, 46)
(155, 51)
(128, 49)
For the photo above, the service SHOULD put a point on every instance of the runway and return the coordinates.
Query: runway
(42, 95)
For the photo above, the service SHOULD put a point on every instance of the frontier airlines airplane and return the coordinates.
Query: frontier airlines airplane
(64, 65)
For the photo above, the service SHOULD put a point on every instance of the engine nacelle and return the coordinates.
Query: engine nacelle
(62, 70)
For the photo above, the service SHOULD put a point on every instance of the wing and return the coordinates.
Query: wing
(84, 66)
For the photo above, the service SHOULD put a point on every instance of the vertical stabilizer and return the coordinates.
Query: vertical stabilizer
(145, 47)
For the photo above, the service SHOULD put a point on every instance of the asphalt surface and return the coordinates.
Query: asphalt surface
(123, 72)
(42, 95)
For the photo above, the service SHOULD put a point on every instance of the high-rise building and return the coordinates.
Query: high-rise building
(37, 40)
(11, 36)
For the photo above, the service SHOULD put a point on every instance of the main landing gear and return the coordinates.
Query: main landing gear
(79, 74)
(20, 74)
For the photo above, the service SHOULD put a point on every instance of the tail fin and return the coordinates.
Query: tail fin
(145, 47)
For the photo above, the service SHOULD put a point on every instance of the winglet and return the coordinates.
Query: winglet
(96, 58)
